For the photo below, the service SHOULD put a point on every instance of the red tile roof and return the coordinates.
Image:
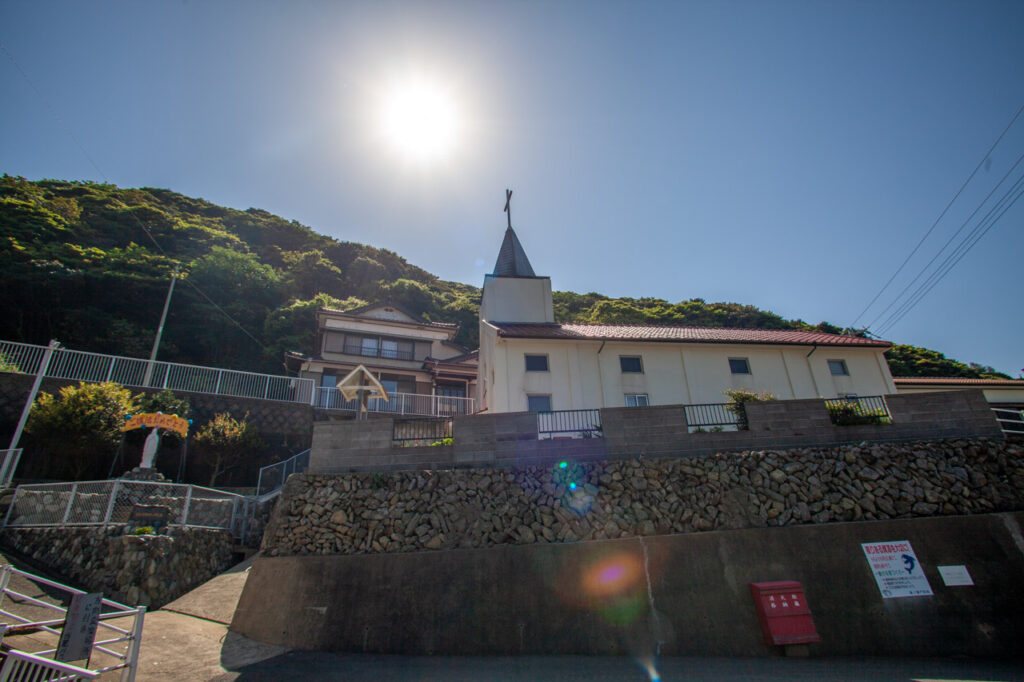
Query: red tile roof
(630, 332)
(958, 381)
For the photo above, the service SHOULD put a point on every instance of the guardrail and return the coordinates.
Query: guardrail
(569, 424)
(329, 398)
(1011, 420)
(104, 656)
(8, 465)
(79, 365)
(421, 431)
(854, 411)
(104, 503)
(273, 476)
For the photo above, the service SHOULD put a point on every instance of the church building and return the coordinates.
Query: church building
(529, 362)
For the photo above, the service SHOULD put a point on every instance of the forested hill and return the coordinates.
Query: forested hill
(89, 264)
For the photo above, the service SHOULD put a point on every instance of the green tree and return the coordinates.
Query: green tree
(737, 403)
(76, 436)
(224, 443)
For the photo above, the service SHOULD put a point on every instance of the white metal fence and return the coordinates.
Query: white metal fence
(420, 404)
(273, 476)
(1011, 420)
(102, 503)
(8, 464)
(118, 636)
(139, 373)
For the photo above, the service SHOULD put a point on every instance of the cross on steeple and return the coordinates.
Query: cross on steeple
(508, 208)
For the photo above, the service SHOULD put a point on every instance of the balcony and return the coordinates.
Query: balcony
(418, 404)
(375, 352)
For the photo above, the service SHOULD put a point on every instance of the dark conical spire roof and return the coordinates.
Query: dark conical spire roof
(512, 260)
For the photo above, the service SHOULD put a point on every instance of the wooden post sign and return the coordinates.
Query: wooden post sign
(149, 515)
(79, 631)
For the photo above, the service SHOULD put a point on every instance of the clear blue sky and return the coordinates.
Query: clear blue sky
(787, 155)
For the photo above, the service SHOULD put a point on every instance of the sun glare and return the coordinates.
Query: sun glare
(420, 121)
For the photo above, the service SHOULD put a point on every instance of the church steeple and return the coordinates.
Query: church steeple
(512, 260)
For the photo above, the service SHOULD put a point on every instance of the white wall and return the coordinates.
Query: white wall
(587, 374)
(517, 299)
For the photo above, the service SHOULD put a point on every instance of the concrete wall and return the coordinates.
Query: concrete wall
(510, 439)
(623, 596)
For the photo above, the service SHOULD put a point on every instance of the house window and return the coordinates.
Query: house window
(334, 342)
(739, 366)
(536, 363)
(637, 400)
(538, 403)
(631, 364)
(838, 368)
(368, 347)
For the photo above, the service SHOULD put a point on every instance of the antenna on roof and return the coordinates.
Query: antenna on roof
(508, 208)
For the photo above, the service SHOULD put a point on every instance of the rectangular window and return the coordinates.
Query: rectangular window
(388, 348)
(334, 342)
(631, 364)
(538, 403)
(739, 366)
(536, 363)
(838, 368)
(369, 347)
(637, 400)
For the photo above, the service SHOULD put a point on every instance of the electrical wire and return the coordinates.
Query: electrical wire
(965, 246)
(948, 241)
(103, 175)
(941, 215)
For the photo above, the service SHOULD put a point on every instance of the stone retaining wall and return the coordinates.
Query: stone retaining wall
(149, 570)
(428, 510)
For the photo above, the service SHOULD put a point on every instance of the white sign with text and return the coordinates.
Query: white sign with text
(897, 570)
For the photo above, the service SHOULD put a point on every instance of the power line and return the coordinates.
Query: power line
(104, 176)
(948, 241)
(1002, 206)
(941, 215)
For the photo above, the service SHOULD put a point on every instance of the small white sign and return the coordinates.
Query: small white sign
(955, 576)
(897, 570)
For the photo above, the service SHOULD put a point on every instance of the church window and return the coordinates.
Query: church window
(637, 400)
(838, 368)
(538, 403)
(631, 364)
(739, 365)
(536, 363)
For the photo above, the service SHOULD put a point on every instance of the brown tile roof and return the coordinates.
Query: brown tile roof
(958, 381)
(629, 332)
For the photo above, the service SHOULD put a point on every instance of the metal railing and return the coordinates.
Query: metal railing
(329, 398)
(569, 424)
(421, 431)
(139, 373)
(387, 353)
(1011, 420)
(8, 465)
(273, 476)
(860, 410)
(107, 654)
(103, 503)
(717, 416)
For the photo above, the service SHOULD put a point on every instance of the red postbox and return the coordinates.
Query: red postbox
(785, 616)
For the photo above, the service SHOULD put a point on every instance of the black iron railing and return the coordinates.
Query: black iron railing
(387, 353)
(421, 431)
(711, 416)
(870, 409)
(569, 424)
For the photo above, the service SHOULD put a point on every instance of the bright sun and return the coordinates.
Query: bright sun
(421, 121)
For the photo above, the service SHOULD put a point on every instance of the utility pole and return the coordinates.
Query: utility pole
(44, 365)
(160, 330)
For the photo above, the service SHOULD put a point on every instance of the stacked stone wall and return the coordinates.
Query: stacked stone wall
(149, 570)
(596, 500)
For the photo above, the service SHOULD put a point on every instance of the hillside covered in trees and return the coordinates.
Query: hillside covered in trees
(89, 264)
